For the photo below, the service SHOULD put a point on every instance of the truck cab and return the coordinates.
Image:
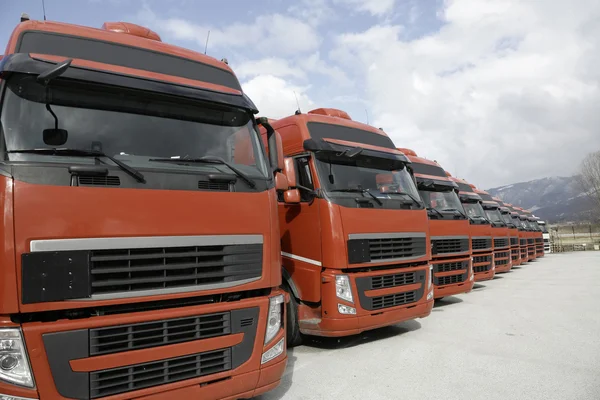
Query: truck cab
(140, 252)
(528, 251)
(480, 230)
(538, 236)
(355, 247)
(449, 227)
(545, 236)
(500, 232)
(513, 230)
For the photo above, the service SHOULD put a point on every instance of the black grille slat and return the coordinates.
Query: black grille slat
(450, 266)
(500, 242)
(99, 180)
(500, 262)
(481, 268)
(386, 281)
(392, 300)
(482, 259)
(450, 246)
(208, 185)
(448, 280)
(481, 243)
(529, 241)
(514, 241)
(139, 376)
(124, 270)
(119, 338)
(381, 249)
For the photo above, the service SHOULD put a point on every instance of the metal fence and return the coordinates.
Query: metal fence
(581, 237)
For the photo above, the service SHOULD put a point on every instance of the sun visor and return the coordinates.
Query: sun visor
(435, 184)
(321, 145)
(25, 64)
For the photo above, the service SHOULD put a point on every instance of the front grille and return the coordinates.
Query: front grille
(501, 254)
(482, 259)
(450, 246)
(386, 281)
(529, 241)
(158, 333)
(217, 186)
(139, 376)
(481, 243)
(539, 240)
(546, 240)
(402, 247)
(523, 242)
(393, 300)
(124, 270)
(448, 280)
(500, 242)
(516, 254)
(514, 241)
(481, 268)
(98, 180)
(450, 266)
(500, 262)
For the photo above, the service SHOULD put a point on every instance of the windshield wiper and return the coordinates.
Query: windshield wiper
(363, 191)
(433, 209)
(208, 160)
(413, 198)
(84, 153)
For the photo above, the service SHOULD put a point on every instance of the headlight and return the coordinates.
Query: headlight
(274, 318)
(342, 288)
(14, 367)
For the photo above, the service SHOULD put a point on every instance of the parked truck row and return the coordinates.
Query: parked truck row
(162, 241)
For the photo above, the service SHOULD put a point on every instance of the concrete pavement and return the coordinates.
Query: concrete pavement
(532, 333)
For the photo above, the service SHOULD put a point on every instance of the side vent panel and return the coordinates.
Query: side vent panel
(98, 180)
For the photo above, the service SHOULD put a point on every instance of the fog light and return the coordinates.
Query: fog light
(343, 309)
(273, 352)
(430, 295)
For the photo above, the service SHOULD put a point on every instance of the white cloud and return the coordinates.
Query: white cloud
(313, 12)
(268, 66)
(275, 97)
(267, 34)
(506, 91)
(374, 7)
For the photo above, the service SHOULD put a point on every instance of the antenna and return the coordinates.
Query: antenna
(297, 103)
(367, 113)
(206, 45)
(44, 8)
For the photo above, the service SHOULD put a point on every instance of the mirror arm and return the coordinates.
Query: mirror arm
(271, 139)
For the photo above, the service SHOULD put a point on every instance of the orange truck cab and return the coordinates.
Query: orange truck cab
(500, 232)
(480, 229)
(528, 253)
(355, 248)
(513, 231)
(519, 252)
(140, 252)
(448, 225)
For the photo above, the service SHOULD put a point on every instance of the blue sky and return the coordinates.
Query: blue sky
(473, 84)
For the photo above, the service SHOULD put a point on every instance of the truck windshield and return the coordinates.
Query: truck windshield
(474, 210)
(381, 177)
(506, 218)
(494, 215)
(446, 201)
(133, 127)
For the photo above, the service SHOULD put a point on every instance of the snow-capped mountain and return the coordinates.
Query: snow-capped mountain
(555, 199)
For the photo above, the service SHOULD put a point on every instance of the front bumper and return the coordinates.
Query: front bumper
(59, 366)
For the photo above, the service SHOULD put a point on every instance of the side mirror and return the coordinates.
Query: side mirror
(281, 182)
(289, 170)
(55, 137)
(291, 196)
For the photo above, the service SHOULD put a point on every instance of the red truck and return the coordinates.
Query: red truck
(480, 230)
(355, 248)
(448, 225)
(519, 253)
(529, 233)
(500, 232)
(513, 230)
(538, 236)
(140, 253)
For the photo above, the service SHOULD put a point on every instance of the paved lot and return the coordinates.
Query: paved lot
(533, 333)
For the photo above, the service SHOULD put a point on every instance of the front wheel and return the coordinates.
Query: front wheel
(293, 335)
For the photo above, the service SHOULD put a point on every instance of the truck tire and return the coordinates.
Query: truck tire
(293, 335)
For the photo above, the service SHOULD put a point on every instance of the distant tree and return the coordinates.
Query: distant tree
(589, 179)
